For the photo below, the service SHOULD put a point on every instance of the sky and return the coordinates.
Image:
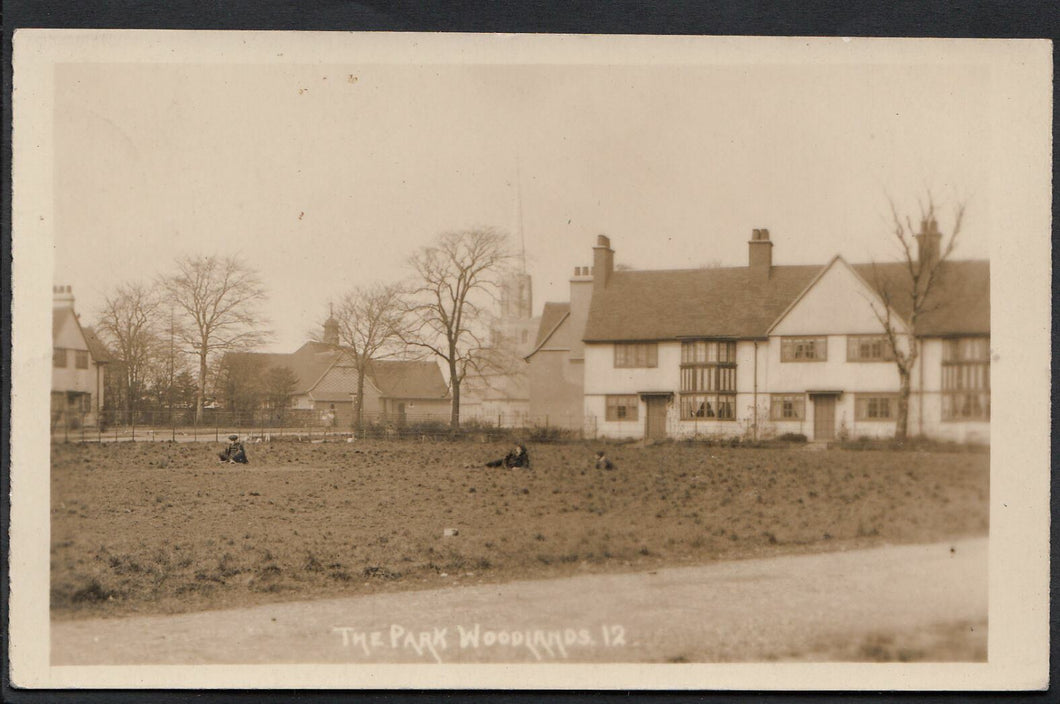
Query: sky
(324, 176)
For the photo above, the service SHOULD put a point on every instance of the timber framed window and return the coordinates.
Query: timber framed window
(787, 407)
(81, 359)
(59, 357)
(708, 380)
(804, 349)
(966, 379)
(622, 407)
(875, 407)
(629, 355)
(869, 348)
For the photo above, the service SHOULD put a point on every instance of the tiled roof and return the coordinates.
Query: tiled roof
(404, 379)
(668, 304)
(739, 302)
(959, 302)
(96, 348)
(308, 363)
(552, 315)
(393, 378)
(59, 318)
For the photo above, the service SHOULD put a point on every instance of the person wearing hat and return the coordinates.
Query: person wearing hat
(235, 451)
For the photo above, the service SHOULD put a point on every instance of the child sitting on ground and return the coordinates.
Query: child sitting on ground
(234, 453)
(602, 462)
(517, 457)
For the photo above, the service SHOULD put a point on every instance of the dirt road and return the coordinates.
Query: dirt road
(783, 607)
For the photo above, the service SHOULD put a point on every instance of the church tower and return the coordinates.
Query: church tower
(331, 328)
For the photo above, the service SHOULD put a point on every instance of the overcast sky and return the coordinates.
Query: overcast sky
(326, 176)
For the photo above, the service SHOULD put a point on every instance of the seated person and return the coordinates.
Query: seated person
(517, 457)
(602, 462)
(234, 452)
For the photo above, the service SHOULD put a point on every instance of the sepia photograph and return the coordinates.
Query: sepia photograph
(374, 354)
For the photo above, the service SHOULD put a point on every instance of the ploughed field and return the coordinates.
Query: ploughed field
(162, 527)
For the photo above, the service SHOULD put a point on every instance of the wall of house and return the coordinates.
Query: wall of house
(417, 410)
(556, 389)
(930, 422)
(67, 409)
(70, 378)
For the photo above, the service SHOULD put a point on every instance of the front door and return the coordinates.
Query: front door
(655, 423)
(823, 417)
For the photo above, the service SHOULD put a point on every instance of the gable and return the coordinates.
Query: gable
(66, 330)
(838, 301)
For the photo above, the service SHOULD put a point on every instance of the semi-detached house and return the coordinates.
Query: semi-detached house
(764, 349)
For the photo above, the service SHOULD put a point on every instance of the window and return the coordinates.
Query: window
(59, 357)
(966, 379)
(788, 407)
(804, 349)
(622, 407)
(869, 348)
(708, 380)
(708, 406)
(636, 354)
(875, 407)
(81, 359)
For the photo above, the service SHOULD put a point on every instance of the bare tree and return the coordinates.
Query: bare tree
(280, 385)
(217, 302)
(371, 325)
(921, 269)
(455, 278)
(129, 325)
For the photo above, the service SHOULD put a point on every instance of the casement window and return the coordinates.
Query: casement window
(787, 407)
(966, 379)
(622, 407)
(636, 354)
(875, 407)
(869, 348)
(81, 359)
(708, 380)
(803, 349)
(59, 357)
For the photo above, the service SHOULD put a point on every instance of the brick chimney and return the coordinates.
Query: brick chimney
(581, 295)
(760, 251)
(603, 262)
(928, 242)
(62, 297)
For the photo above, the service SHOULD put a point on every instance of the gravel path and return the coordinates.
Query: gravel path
(745, 610)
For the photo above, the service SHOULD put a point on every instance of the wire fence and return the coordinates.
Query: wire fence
(215, 425)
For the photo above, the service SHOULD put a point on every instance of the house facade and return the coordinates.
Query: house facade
(763, 350)
(79, 362)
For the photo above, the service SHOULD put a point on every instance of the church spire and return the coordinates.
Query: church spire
(519, 215)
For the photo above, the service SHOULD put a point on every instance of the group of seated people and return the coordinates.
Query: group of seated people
(235, 453)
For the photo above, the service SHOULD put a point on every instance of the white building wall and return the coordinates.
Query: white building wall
(70, 378)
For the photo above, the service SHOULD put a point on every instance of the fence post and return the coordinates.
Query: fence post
(134, 426)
